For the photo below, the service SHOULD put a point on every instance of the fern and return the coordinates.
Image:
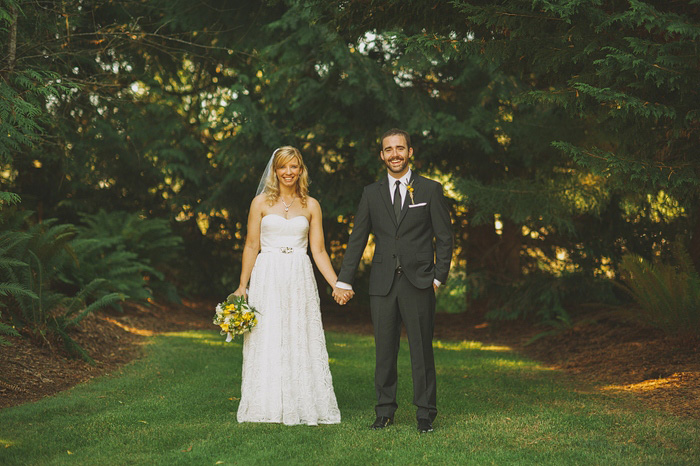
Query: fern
(16, 289)
(104, 258)
(127, 250)
(9, 198)
(76, 311)
(667, 296)
(69, 343)
(31, 263)
(22, 115)
(7, 330)
(104, 301)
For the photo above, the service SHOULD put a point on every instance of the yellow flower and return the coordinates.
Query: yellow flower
(409, 188)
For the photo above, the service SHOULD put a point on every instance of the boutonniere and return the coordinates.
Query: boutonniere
(409, 188)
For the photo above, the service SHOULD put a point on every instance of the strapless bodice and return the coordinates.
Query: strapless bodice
(278, 232)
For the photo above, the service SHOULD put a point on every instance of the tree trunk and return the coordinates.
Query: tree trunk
(12, 44)
(497, 255)
(694, 248)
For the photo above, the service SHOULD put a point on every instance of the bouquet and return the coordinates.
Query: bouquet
(235, 317)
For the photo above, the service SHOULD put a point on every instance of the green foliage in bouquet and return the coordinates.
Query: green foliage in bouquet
(235, 316)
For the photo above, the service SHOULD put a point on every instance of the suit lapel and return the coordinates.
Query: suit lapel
(384, 194)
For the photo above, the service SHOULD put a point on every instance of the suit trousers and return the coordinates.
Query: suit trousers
(414, 307)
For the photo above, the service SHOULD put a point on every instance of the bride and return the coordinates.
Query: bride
(285, 377)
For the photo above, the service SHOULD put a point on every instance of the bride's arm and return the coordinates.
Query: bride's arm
(317, 243)
(252, 243)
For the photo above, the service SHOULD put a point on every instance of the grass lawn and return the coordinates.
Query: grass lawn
(177, 406)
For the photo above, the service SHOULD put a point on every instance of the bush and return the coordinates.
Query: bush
(6, 330)
(667, 296)
(546, 298)
(461, 287)
(128, 251)
(30, 263)
(11, 287)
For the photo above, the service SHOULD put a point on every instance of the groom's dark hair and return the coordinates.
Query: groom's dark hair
(396, 131)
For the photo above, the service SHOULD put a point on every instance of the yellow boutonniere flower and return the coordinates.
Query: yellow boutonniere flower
(409, 188)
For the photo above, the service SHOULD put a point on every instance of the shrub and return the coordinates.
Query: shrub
(548, 299)
(128, 251)
(667, 296)
(30, 264)
(10, 287)
(6, 330)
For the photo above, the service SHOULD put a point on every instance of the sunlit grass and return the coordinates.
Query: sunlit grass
(178, 405)
(468, 345)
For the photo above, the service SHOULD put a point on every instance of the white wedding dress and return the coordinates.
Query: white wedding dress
(286, 377)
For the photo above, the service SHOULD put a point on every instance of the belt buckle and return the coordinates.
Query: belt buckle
(286, 250)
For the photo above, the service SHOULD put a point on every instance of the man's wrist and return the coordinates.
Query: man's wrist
(343, 286)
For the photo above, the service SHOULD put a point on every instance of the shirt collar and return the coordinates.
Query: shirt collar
(404, 179)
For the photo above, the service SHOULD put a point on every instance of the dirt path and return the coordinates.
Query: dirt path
(605, 355)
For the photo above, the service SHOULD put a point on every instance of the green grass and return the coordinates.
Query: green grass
(175, 406)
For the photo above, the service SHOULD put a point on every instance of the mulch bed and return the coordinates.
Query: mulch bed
(31, 370)
(606, 354)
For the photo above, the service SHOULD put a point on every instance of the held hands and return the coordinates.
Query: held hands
(342, 296)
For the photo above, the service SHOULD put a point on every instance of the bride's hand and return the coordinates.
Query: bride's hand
(241, 292)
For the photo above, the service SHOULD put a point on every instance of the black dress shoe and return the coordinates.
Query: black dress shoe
(381, 422)
(424, 426)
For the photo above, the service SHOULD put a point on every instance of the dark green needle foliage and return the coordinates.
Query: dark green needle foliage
(565, 132)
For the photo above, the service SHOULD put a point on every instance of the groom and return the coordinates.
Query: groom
(406, 213)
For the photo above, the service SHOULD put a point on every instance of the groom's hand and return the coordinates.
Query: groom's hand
(338, 295)
(342, 296)
(348, 296)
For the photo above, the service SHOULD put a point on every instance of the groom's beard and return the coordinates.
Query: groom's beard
(399, 168)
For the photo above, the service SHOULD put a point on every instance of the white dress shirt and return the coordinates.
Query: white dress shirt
(402, 187)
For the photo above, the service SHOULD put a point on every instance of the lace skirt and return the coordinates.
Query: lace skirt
(286, 376)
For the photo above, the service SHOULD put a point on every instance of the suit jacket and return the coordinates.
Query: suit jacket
(421, 238)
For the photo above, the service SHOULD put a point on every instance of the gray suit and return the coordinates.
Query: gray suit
(407, 296)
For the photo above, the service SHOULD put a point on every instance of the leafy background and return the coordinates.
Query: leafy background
(133, 134)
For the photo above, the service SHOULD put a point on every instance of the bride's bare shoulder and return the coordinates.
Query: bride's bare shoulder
(259, 204)
(259, 200)
(312, 203)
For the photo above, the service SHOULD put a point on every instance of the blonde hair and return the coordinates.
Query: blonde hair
(284, 155)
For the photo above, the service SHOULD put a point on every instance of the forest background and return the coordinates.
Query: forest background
(133, 135)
